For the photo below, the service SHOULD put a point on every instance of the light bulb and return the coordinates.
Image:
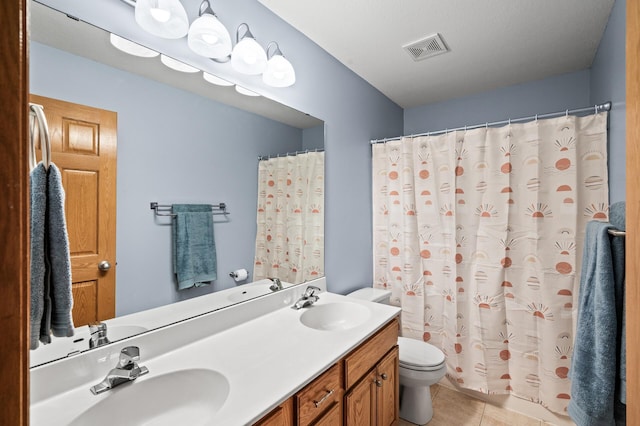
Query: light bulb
(162, 18)
(279, 72)
(209, 38)
(160, 15)
(248, 57)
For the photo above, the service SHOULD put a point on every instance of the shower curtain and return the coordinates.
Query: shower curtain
(290, 219)
(479, 235)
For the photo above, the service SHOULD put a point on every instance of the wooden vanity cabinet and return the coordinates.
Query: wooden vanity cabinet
(360, 389)
(372, 381)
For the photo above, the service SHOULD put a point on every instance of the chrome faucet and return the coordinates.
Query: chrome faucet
(98, 333)
(277, 284)
(308, 298)
(127, 370)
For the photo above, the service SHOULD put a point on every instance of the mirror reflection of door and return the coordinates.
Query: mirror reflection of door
(83, 147)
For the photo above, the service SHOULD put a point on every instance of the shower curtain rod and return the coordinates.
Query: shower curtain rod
(596, 109)
(267, 157)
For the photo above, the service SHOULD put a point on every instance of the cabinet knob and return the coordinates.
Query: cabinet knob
(384, 376)
(378, 383)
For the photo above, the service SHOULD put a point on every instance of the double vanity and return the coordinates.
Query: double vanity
(261, 362)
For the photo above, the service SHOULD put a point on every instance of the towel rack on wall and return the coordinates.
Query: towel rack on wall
(36, 115)
(617, 233)
(165, 209)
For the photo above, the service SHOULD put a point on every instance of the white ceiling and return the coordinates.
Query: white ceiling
(493, 43)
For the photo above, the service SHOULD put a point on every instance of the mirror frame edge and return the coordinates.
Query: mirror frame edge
(14, 229)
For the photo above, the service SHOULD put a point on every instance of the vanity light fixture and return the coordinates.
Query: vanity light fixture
(213, 79)
(177, 65)
(248, 57)
(279, 72)
(162, 18)
(208, 37)
(246, 92)
(131, 48)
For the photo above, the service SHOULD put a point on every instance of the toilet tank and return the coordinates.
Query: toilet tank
(372, 295)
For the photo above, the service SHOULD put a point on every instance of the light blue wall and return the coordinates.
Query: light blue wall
(549, 95)
(608, 84)
(313, 138)
(173, 146)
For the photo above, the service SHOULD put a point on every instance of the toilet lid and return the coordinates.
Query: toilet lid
(416, 354)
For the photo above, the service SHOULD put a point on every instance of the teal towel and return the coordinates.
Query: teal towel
(593, 365)
(38, 191)
(61, 321)
(194, 248)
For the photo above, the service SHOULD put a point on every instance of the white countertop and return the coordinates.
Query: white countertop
(265, 360)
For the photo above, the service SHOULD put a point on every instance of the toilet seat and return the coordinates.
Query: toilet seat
(419, 356)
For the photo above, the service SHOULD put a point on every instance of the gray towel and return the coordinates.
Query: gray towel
(593, 366)
(58, 254)
(51, 297)
(194, 247)
(38, 192)
(617, 218)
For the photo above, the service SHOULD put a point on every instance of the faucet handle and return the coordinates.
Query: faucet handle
(129, 356)
(98, 327)
(311, 291)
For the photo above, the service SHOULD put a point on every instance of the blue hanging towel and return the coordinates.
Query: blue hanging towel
(194, 248)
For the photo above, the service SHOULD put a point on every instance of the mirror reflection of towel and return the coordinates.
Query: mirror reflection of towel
(194, 246)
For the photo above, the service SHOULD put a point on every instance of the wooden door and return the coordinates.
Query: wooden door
(83, 147)
(360, 402)
(387, 404)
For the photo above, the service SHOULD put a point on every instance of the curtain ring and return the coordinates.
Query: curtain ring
(486, 125)
(567, 114)
(596, 109)
(536, 118)
(509, 121)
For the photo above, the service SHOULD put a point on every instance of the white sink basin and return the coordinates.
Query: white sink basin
(335, 316)
(183, 397)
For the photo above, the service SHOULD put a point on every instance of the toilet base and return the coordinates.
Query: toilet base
(415, 404)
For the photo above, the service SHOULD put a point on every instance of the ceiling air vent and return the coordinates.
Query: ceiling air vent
(426, 48)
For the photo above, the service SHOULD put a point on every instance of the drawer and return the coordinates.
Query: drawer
(279, 416)
(319, 396)
(332, 417)
(364, 358)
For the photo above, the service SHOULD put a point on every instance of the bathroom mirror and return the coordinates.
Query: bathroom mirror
(180, 140)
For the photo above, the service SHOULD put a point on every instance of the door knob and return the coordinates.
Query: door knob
(104, 265)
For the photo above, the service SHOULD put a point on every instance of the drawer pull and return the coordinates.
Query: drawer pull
(324, 398)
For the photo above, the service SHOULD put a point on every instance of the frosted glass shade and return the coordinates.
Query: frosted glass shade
(177, 65)
(246, 92)
(162, 18)
(209, 38)
(248, 57)
(213, 79)
(131, 48)
(279, 72)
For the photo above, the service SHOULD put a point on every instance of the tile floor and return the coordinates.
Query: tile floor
(452, 408)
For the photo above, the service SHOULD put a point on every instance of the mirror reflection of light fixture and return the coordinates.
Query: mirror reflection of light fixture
(248, 57)
(279, 72)
(177, 65)
(208, 37)
(246, 92)
(162, 18)
(131, 48)
(213, 79)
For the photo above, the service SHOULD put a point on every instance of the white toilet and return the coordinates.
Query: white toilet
(421, 365)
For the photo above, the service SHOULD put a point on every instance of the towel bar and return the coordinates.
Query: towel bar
(617, 233)
(165, 209)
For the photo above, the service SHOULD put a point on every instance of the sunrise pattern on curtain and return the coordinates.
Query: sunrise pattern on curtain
(479, 235)
(290, 218)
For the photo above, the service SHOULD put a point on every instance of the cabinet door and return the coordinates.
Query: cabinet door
(360, 402)
(332, 417)
(388, 385)
(280, 416)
